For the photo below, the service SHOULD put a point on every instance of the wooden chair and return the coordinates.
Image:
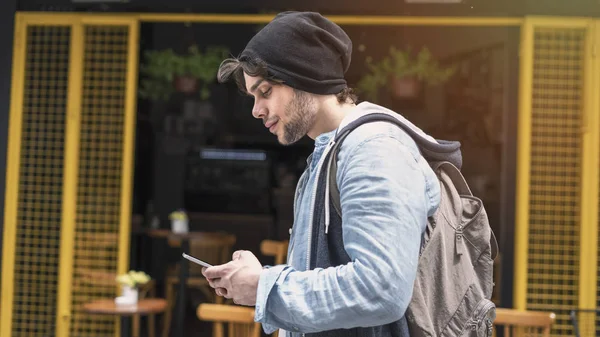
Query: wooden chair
(214, 248)
(239, 320)
(102, 280)
(277, 249)
(91, 281)
(532, 323)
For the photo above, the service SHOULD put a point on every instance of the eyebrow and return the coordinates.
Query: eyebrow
(255, 85)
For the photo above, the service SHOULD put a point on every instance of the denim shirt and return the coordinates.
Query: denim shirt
(387, 192)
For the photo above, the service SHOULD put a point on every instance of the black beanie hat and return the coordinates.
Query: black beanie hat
(305, 50)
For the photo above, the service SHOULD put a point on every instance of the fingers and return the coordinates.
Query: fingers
(217, 277)
(215, 271)
(220, 289)
(237, 254)
(213, 282)
(222, 292)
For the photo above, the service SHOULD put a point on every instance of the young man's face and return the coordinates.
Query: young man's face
(287, 113)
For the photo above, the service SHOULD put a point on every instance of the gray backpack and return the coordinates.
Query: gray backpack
(453, 287)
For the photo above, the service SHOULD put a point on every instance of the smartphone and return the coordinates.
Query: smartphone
(196, 261)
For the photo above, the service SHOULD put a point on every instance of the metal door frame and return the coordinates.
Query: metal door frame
(71, 159)
(589, 193)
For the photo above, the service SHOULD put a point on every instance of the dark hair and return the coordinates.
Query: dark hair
(234, 67)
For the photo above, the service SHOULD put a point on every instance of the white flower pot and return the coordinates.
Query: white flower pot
(129, 295)
(179, 226)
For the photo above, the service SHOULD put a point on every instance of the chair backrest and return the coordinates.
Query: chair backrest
(277, 249)
(214, 248)
(91, 274)
(240, 320)
(532, 323)
(103, 243)
(93, 278)
(99, 280)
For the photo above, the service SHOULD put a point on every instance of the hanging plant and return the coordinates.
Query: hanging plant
(402, 73)
(165, 72)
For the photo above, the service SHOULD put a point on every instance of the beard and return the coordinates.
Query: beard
(302, 114)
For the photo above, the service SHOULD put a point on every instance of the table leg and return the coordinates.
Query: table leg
(183, 273)
(125, 327)
(136, 326)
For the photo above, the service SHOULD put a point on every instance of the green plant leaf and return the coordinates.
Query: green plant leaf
(401, 63)
(161, 67)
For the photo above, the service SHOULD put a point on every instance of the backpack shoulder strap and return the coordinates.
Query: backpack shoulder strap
(334, 190)
(339, 138)
(454, 174)
(459, 182)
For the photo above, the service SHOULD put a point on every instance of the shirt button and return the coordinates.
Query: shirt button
(290, 231)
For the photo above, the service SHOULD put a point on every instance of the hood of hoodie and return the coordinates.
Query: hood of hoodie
(431, 148)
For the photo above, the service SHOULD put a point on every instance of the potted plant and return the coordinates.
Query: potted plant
(165, 72)
(130, 283)
(402, 73)
(179, 221)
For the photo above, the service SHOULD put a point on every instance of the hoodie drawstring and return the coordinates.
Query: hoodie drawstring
(330, 145)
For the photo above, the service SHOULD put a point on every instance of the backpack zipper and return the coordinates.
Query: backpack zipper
(486, 306)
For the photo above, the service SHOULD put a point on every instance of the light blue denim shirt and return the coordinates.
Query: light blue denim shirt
(387, 192)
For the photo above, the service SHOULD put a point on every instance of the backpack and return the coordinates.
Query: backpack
(453, 285)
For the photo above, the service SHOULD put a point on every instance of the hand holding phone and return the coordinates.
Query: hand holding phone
(196, 261)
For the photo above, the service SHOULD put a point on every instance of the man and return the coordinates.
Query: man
(355, 277)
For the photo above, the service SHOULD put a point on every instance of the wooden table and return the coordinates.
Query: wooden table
(143, 307)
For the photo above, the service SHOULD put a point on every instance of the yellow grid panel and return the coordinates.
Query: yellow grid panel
(100, 179)
(40, 189)
(557, 107)
(586, 319)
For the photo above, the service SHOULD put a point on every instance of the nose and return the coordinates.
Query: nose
(258, 111)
